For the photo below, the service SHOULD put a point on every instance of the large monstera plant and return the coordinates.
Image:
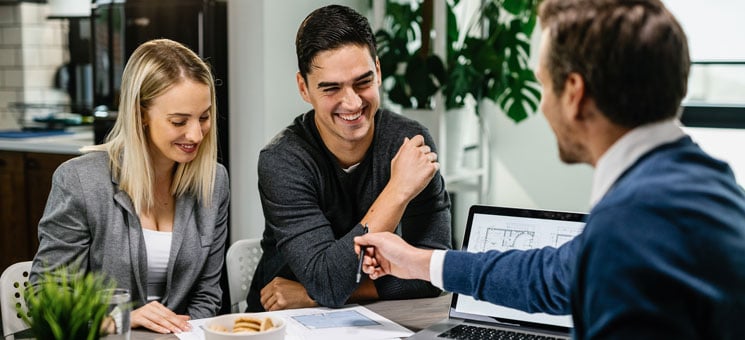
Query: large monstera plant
(487, 56)
(412, 73)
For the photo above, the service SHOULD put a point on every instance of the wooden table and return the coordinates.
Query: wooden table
(413, 314)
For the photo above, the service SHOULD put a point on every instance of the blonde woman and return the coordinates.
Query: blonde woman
(149, 207)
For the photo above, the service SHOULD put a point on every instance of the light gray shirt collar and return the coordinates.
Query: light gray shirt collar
(627, 150)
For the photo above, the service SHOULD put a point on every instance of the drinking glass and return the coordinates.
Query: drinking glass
(116, 325)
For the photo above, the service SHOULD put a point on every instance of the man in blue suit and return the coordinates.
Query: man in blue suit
(662, 255)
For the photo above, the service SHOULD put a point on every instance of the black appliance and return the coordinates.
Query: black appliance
(75, 76)
(119, 26)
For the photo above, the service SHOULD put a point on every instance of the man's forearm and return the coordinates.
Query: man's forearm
(386, 211)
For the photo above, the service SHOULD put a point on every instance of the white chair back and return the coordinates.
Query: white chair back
(241, 261)
(12, 283)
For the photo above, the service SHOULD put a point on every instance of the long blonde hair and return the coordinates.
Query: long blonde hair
(154, 67)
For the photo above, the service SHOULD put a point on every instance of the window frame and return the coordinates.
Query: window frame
(714, 115)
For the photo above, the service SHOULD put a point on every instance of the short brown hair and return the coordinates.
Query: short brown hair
(329, 28)
(632, 55)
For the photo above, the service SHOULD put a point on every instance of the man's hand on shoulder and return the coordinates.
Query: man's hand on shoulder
(413, 167)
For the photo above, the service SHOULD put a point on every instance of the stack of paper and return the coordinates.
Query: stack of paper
(355, 322)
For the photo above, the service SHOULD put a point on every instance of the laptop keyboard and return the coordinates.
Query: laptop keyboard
(468, 332)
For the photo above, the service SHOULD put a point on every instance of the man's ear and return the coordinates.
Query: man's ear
(377, 70)
(573, 96)
(302, 87)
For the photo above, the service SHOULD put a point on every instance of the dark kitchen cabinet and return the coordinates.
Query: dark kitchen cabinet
(25, 181)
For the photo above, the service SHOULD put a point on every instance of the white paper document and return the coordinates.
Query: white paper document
(354, 322)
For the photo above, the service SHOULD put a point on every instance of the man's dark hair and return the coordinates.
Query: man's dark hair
(329, 28)
(631, 54)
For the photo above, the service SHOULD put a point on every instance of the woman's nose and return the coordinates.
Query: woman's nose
(194, 132)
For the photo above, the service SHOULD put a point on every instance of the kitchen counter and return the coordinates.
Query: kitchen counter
(69, 144)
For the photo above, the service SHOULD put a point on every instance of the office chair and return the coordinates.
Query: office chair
(12, 283)
(241, 261)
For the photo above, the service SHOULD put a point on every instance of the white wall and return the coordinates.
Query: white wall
(263, 93)
(718, 19)
(526, 169)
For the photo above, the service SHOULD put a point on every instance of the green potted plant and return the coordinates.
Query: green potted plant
(487, 57)
(412, 75)
(67, 304)
(491, 62)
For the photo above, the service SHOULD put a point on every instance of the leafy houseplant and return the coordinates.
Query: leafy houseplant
(66, 304)
(416, 75)
(494, 63)
(487, 57)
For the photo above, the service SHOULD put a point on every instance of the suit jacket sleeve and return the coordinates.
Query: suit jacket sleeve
(64, 235)
(536, 280)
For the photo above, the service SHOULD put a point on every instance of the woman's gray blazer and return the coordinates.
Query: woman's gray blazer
(87, 217)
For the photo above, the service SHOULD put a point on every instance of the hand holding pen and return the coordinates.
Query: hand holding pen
(391, 255)
(362, 256)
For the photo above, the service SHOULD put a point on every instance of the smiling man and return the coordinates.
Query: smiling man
(343, 165)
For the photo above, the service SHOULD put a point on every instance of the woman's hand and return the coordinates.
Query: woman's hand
(158, 318)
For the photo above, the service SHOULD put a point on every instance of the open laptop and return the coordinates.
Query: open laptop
(503, 229)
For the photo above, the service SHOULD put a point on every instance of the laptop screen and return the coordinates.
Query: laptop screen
(509, 228)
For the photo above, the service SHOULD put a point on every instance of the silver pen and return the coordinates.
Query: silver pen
(362, 256)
